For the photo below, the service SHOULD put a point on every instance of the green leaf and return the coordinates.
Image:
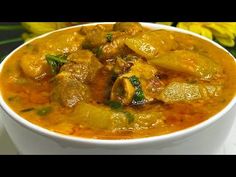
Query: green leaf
(44, 111)
(134, 81)
(10, 27)
(109, 37)
(27, 110)
(138, 97)
(232, 51)
(56, 61)
(129, 116)
(98, 51)
(4, 42)
(115, 105)
(11, 98)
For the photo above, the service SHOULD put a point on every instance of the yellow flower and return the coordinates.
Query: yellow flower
(223, 32)
(37, 28)
(165, 23)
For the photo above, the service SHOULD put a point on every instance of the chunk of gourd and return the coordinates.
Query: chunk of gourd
(152, 43)
(185, 92)
(34, 66)
(65, 42)
(189, 62)
(102, 117)
(98, 117)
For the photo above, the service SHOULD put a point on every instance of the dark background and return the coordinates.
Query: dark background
(9, 34)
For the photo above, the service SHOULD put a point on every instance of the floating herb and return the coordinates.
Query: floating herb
(117, 106)
(129, 116)
(44, 111)
(56, 61)
(98, 51)
(109, 37)
(11, 98)
(134, 81)
(138, 97)
(27, 110)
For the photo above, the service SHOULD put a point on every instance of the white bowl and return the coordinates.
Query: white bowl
(203, 138)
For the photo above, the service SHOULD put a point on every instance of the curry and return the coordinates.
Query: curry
(119, 81)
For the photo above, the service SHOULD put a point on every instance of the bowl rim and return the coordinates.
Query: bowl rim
(158, 138)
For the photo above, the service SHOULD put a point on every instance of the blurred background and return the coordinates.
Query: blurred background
(13, 34)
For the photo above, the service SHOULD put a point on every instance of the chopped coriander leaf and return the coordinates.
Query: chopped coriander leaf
(134, 81)
(109, 37)
(129, 116)
(56, 61)
(44, 111)
(11, 98)
(138, 97)
(117, 106)
(98, 51)
(27, 110)
(114, 105)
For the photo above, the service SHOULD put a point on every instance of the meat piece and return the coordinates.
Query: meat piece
(83, 65)
(71, 84)
(122, 30)
(94, 36)
(121, 66)
(123, 91)
(34, 66)
(85, 30)
(130, 28)
(68, 90)
(109, 44)
(89, 115)
(115, 48)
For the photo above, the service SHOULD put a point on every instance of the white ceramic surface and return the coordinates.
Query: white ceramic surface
(205, 138)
